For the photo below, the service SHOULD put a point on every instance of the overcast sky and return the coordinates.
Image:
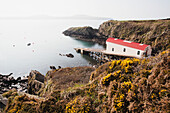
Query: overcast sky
(116, 9)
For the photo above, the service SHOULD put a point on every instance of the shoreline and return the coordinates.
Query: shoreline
(120, 85)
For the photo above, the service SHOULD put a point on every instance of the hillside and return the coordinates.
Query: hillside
(152, 32)
(130, 85)
(124, 85)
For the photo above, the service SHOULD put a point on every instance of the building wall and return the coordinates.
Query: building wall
(118, 49)
(149, 50)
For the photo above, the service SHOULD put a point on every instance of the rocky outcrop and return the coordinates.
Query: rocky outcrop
(35, 82)
(152, 32)
(8, 82)
(85, 33)
(68, 55)
(3, 102)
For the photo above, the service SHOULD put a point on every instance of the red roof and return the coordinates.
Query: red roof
(127, 43)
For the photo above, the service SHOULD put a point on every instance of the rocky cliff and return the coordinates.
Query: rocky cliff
(85, 33)
(152, 32)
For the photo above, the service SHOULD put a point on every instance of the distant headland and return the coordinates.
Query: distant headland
(46, 17)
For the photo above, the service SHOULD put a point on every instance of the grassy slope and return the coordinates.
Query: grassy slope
(130, 85)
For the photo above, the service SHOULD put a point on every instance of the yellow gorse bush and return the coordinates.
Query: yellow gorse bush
(110, 77)
(119, 102)
(78, 106)
(144, 61)
(125, 65)
(162, 92)
(164, 52)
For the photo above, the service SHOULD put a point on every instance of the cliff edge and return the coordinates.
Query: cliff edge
(151, 32)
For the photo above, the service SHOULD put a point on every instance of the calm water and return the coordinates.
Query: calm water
(47, 41)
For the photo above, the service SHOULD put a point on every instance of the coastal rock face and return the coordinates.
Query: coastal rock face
(152, 32)
(85, 33)
(35, 82)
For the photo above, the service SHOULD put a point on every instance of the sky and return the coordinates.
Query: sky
(115, 9)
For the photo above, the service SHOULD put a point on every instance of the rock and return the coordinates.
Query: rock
(19, 78)
(85, 33)
(3, 102)
(28, 44)
(35, 82)
(59, 67)
(1, 76)
(70, 55)
(7, 82)
(53, 67)
(36, 75)
(24, 80)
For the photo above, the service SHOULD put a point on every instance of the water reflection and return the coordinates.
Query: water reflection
(90, 60)
(86, 43)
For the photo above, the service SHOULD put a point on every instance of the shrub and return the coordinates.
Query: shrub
(79, 105)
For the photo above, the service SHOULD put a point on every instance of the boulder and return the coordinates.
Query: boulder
(28, 44)
(35, 82)
(36, 76)
(53, 67)
(59, 67)
(70, 55)
(3, 102)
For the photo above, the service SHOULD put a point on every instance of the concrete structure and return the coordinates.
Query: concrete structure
(120, 47)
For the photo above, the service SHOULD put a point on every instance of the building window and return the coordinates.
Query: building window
(138, 53)
(112, 49)
(124, 50)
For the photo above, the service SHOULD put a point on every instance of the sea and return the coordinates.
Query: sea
(27, 45)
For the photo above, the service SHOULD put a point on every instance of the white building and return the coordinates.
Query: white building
(120, 47)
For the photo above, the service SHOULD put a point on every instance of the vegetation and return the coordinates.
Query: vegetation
(152, 32)
(130, 85)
